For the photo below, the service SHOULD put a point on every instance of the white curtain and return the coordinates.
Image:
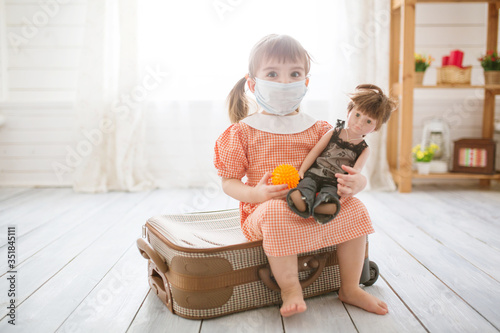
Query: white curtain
(111, 142)
(3, 56)
(205, 51)
(204, 46)
(366, 46)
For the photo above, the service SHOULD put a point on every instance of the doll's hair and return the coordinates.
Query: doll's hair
(281, 47)
(371, 100)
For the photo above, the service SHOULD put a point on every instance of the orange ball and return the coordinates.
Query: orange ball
(285, 174)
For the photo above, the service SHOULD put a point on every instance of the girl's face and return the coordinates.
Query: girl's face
(359, 123)
(281, 72)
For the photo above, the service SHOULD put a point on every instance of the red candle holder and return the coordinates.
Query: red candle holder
(456, 57)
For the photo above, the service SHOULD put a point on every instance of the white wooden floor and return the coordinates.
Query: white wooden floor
(78, 269)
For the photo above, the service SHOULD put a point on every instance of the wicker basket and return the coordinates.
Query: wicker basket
(491, 77)
(453, 75)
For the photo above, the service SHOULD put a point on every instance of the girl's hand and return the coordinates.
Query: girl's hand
(263, 191)
(301, 174)
(350, 184)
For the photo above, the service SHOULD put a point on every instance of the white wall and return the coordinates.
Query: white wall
(44, 40)
(43, 56)
(441, 28)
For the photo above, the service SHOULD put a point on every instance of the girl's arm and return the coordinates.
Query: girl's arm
(315, 152)
(254, 194)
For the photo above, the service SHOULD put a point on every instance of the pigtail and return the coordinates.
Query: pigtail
(237, 102)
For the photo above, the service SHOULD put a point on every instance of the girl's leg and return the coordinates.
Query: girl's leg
(351, 256)
(285, 271)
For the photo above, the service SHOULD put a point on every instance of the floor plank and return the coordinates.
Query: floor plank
(437, 307)
(264, 320)
(323, 313)
(26, 201)
(457, 277)
(154, 317)
(37, 212)
(78, 268)
(46, 263)
(480, 250)
(55, 227)
(399, 319)
(65, 290)
(10, 192)
(112, 304)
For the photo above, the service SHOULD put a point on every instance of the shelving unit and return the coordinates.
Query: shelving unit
(400, 127)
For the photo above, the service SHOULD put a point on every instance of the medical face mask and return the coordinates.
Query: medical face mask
(279, 98)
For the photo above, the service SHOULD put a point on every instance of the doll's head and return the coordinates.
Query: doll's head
(371, 100)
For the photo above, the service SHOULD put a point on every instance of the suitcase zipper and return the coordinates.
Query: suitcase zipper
(144, 231)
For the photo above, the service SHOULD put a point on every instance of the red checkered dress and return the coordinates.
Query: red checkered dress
(245, 151)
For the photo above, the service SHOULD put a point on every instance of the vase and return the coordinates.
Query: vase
(491, 77)
(438, 166)
(418, 79)
(423, 168)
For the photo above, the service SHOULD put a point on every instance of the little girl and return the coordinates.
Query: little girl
(368, 109)
(254, 145)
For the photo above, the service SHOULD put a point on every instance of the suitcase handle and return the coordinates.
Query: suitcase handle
(315, 261)
(149, 253)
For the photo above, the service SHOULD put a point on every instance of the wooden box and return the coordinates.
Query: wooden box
(474, 156)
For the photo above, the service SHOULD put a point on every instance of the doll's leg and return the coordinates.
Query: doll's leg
(327, 204)
(285, 271)
(301, 198)
(299, 203)
(351, 255)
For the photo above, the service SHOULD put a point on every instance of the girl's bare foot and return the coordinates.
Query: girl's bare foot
(293, 302)
(360, 298)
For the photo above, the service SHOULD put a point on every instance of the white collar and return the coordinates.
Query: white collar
(280, 124)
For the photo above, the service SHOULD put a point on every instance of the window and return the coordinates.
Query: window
(204, 45)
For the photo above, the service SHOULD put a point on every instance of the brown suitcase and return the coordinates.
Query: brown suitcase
(201, 266)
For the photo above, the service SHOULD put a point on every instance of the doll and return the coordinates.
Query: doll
(368, 109)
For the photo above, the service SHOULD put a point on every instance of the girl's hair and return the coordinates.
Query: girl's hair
(280, 47)
(370, 99)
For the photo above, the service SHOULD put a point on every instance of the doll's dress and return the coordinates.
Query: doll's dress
(320, 184)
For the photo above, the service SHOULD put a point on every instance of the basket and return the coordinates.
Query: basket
(491, 77)
(453, 75)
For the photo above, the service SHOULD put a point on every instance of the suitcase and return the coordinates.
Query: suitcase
(201, 266)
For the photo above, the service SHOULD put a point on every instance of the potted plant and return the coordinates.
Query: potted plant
(422, 61)
(491, 65)
(423, 157)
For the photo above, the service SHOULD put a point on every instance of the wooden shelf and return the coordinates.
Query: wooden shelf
(454, 1)
(447, 176)
(396, 4)
(449, 86)
(456, 175)
(458, 86)
(400, 126)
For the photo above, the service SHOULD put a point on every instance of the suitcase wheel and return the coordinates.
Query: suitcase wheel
(373, 274)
